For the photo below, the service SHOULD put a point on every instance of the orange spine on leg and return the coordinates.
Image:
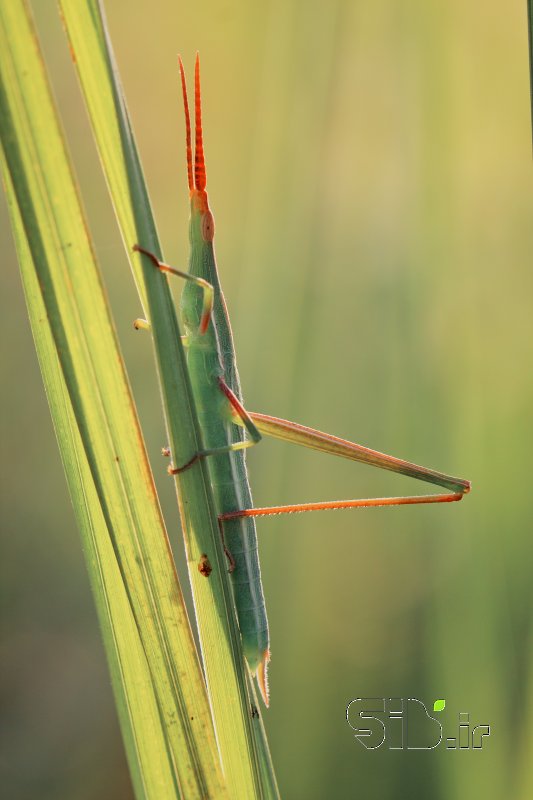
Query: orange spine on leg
(187, 126)
(199, 162)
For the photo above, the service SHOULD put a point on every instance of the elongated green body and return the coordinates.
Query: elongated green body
(211, 356)
(216, 388)
(217, 392)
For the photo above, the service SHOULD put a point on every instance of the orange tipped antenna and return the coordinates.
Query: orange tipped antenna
(187, 126)
(199, 163)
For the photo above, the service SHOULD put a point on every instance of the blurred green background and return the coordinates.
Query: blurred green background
(369, 172)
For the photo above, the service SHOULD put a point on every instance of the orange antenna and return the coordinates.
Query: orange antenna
(199, 163)
(187, 126)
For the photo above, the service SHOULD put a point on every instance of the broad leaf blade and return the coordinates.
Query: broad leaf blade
(163, 705)
(147, 754)
(241, 738)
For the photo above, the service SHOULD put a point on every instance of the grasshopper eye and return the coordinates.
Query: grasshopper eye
(208, 227)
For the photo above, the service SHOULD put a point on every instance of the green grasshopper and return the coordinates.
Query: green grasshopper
(217, 392)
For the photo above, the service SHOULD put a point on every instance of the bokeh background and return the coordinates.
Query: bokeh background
(369, 168)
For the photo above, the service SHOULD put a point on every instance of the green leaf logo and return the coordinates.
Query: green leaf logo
(439, 705)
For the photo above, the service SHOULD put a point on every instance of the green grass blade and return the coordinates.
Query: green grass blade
(530, 45)
(158, 682)
(241, 739)
(147, 755)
